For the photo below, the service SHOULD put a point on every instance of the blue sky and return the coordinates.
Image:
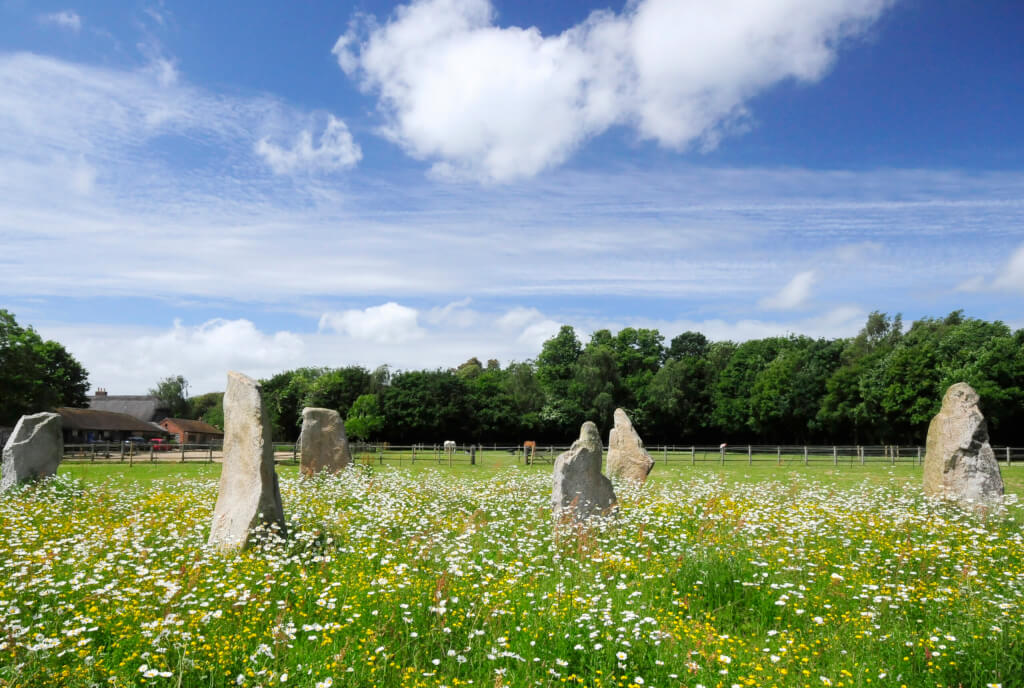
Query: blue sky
(191, 187)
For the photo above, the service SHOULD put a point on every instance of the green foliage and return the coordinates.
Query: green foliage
(883, 385)
(208, 408)
(338, 389)
(364, 419)
(36, 374)
(173, 391)
(425, 406)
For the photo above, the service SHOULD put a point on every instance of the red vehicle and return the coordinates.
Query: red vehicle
(159, 444)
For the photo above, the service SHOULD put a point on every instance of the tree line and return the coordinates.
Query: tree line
(881, 386)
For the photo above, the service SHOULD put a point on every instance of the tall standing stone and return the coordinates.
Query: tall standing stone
(627, 457)
(959, 463)
(249, 495)
(580, 490)
(323, 445)
(33, 450)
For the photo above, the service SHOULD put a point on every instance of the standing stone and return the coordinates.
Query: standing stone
(580, 491)
(323, 445)
(627, 457)
(248, 495)
(959, 463)
(33, 450)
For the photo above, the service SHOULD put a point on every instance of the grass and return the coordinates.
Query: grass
(425, 575)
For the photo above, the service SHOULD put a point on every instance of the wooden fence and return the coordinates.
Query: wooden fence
(381, 453)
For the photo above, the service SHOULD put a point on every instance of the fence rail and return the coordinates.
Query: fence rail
(384, 453)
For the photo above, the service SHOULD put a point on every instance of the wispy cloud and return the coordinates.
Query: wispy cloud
(493, 103)
(795, 294)
(66, 19)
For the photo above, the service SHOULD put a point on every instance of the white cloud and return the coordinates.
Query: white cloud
(132, 360)
(384, 324)
(335, 150)
(497, 103)
(66, 19)
(1007, 277)
(794, 295)
(1011, 275)
(129, 360)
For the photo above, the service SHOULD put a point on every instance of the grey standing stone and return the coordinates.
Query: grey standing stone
(580, 490)
(959, 463)
(627, 457)
(248, 495)
(33, 451)
(323, 445)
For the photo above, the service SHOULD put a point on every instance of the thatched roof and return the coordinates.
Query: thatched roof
(91, 419)
(142, 407)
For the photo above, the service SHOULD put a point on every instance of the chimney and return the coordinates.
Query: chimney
(101, 392)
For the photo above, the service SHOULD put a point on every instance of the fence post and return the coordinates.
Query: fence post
(919, 456)
(210, 458)
(693, 455)
(152, 453)
(750, 456)
(183, 451)
(778, 453)
(122, 452)
(805, 454)
(722, 451)
(664, 453)
(895, 453)
(860, 454)
(1007, 455)
(835, 456)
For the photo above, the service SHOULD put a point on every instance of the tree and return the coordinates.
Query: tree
(732, 413)
(677, 402)
(786, 395)
(470, 369)
(687, 345)
(284, 396)
(173, 391)
(364, 419)
(36, 374)
(338, 389)
(208, 408)
(425, 406)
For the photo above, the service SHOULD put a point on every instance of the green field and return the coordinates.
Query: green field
(430, 575)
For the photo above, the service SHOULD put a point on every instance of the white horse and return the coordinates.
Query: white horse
(449, 447)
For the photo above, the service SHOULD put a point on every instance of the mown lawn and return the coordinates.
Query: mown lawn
(427, 575)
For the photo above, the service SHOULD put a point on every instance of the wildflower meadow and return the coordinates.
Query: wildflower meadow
(391, 577)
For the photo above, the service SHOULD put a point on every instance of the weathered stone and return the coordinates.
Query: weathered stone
(959, 463)
(323, 445)
(249, 495)
(627, 457)
(33, 450)
(580, 490)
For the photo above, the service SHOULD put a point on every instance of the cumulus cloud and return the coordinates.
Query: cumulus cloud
(387, 323)
(500, 103)
(131, 360)
(335, 150)
(67, 19)
(794, 295)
